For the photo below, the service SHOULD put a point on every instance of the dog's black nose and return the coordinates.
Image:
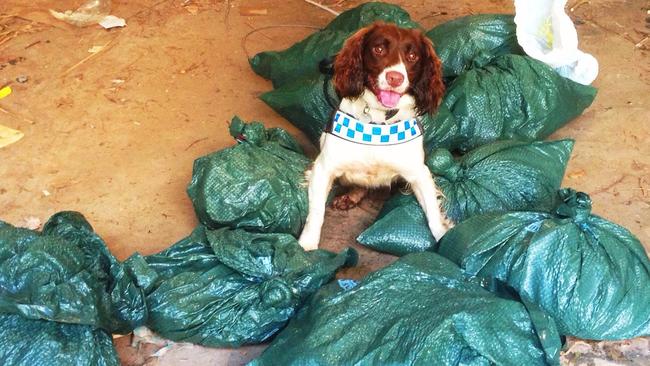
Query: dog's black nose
(394, 78)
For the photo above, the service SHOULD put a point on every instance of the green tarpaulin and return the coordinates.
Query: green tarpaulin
(257, 185)
(418, 311)
(589, 274)
(498, 177)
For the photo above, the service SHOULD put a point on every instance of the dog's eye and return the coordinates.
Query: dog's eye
(378, 50)
(411, 57)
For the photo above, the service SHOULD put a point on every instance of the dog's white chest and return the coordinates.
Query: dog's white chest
(367, 165)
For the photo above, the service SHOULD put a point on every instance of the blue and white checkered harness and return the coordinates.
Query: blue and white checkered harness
(351, 129)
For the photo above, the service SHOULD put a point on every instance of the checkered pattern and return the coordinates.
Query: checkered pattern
(351, 129)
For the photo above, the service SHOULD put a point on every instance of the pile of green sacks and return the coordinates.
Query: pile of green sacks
(533, 263)
(591, 275)
(497, 177)
(525, 264)
(62, 293)
(421, 310)
(494, 92)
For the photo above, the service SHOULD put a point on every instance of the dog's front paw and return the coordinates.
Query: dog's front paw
(447, 223)
(438, 229)
(308, 242)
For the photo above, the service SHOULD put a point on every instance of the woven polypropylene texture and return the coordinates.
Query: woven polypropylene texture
(589, 274)
(65, 273)
(257, 185)
(44, 343)
(400, 228)
(497, 177)
(418, 311)
(231, 287)
(473, 41)
(303, 58)
(307, 102)
(513, 97)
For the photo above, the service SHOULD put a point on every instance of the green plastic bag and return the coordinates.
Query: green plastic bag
(473, 40)
(513, 97)
(590, 275)
(66, 274)
(303, 58)
(308, 103)
(231, 287)
(257, 185)
(306, 98)
(418, 311)
(46, 343)
(498, 177)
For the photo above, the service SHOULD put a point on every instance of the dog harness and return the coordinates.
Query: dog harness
(351, 129)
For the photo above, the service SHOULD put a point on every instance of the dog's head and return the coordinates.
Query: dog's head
(390, 62)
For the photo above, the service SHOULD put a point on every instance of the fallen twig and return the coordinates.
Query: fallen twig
(85, 59)
(148, 8)
(336, 13)
(642, 187)
(195, 142)
(611, 185)
(32, 44)
(579, 4)
(226, 16)
(3, 110)
(253, 28)
(433, 15)
(624, 36)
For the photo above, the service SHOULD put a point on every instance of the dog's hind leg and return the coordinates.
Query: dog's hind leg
(426, 193)
(320, 183)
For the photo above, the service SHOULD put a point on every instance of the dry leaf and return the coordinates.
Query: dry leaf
(8, 136)
(192, 9)
(576, 174)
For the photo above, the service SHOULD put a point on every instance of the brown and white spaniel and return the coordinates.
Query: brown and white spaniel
(386, 77)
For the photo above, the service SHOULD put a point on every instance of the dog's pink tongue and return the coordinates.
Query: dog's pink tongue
(388, 98)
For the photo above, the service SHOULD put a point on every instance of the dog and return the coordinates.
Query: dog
(386, 77)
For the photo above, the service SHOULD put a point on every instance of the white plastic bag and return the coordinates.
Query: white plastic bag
(546, 33)
(91, 12)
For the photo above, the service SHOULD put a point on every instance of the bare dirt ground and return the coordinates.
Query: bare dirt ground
(113, 134)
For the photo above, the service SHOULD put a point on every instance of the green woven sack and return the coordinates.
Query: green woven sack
(513, 97)
(66, 274)
(231, 287)
(257, 184)
(306, 98)
(418, 311)
(307, 103)
(590, 275)
(303, 58)
(498, 177)
(461, 43)
(473, 40)
(43, 343)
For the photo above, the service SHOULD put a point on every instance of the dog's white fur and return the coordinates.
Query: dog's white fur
(371, 166)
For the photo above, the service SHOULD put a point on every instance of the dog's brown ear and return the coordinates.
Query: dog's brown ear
(348, 66)
(430, 88)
